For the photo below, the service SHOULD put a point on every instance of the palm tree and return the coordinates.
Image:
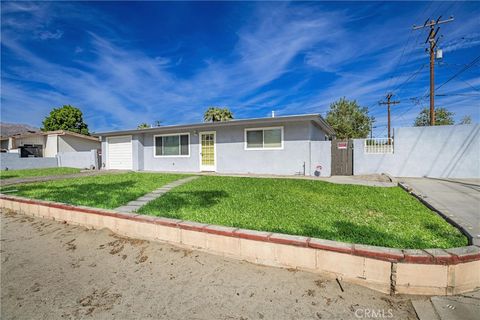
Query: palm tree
(143, 126)
(216, 114)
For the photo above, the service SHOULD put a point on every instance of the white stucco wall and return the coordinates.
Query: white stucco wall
(321, 158)
(233, 158)
(440, 152)
(12, 161)
(67, 143)
(51, 146)
(78, 159)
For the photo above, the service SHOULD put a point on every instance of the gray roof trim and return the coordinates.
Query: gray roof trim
(254, 121)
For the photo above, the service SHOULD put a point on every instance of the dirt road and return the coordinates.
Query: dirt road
(51, 270)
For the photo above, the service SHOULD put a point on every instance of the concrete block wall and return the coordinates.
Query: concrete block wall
(437, 152)
(320, 158)
(428, 272)
(80, 159)
(13, 161)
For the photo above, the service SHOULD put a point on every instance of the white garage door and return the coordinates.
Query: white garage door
(119, 152)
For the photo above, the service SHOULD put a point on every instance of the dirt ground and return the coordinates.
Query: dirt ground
(51, 270)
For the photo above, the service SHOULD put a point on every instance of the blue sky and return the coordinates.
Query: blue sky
(125, 63)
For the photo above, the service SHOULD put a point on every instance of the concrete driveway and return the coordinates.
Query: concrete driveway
(457, 198)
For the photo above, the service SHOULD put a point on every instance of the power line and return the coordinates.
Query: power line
(448, 64)
(434, 42)
(471, 86)
(466, 82)
(419, 101)
(434, 28)
(458, 94)
(405, 47)
(460, 72)
(400, 59)
(412, 76)
(402, 114)
(467, 66)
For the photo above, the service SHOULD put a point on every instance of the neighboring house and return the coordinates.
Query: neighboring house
(281, 145)
(12, 129)
(49, 144)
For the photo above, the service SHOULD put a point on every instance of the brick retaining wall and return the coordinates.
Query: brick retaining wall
(409, 271)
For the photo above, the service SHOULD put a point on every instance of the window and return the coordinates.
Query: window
(172, 145)
(264, 138)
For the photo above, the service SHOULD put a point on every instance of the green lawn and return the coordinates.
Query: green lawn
(369, 215)
(10, 174)
(105, 191)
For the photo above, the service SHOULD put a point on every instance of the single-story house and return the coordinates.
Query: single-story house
(287, 145)
(50, 143)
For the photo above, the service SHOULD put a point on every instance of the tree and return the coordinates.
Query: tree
(466, 120)
(67, 118)
(143, 125)
(216, 114)
(443, 117)
(349, 120)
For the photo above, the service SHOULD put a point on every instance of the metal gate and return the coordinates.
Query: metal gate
(342, 157)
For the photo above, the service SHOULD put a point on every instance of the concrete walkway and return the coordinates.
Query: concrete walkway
(460, 307)
(458, 199)
(134, 205)
(10, 182)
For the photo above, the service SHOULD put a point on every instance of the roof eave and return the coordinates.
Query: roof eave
(307, 117)
(57, 132)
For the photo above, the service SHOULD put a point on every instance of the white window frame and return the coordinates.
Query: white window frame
(171, 134)
(263, 136)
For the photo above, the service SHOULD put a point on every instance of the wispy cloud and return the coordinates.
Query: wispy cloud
(465, 42)
(45, 35)
(306, 48)
(134, 87)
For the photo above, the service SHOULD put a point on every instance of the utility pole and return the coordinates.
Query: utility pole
(433, 25)
(388, 103)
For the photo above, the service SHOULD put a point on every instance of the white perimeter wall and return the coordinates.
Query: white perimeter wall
(321, 158)
(438, 152)
(78, 159)
(12, 161)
